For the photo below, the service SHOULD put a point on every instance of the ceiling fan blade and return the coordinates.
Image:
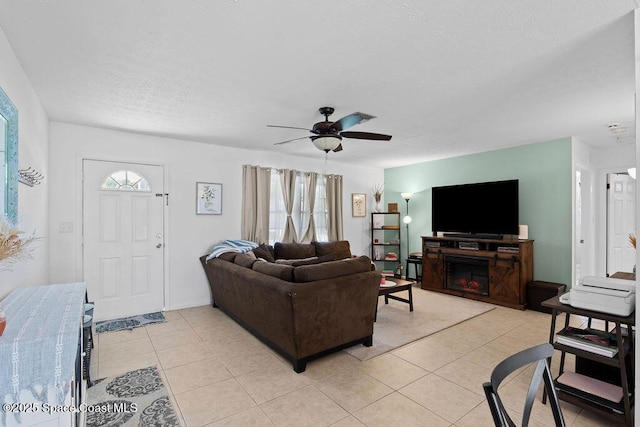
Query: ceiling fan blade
(366, 135)
(351, 120)
(288, 127)
(338, 148)
(291, 140)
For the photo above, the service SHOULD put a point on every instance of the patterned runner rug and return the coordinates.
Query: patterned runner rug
(136, 398)
(129, 322)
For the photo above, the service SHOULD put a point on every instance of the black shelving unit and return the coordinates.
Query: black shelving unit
(622, 362)
(385, 242)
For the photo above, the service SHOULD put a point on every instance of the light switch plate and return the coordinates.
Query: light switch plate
(65, 227)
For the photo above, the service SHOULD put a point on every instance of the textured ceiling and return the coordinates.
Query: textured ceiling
(444, 78)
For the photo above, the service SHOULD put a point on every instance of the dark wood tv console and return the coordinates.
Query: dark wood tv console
(490, 270)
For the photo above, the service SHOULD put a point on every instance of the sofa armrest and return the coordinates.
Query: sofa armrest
(329, 313)
(259, 301)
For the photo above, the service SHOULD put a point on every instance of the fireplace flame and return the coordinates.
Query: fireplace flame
(470, 285)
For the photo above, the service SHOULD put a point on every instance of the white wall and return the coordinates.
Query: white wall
(188, 235)
(602, 161)
(33, 151)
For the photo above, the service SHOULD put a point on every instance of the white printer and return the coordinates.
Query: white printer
(603, 294)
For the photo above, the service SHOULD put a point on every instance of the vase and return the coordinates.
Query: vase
(379, 207)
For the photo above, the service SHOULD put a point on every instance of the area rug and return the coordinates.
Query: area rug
(432, 312)
(129, 322)
(136, 398)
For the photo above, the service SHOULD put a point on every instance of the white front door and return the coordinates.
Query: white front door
(620, 223)
(123, 237)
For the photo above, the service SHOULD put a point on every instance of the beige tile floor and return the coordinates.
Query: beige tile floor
(220, 375)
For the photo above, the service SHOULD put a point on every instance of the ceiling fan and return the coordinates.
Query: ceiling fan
(327, 136)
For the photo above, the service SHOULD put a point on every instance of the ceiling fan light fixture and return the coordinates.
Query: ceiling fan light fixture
(326, 143)
(617, 129)
(328, 135)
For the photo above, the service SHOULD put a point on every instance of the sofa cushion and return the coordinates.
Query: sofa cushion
(280, 271)
(327, 258)
(297, 262)
(228, 256)
(245, 260)
(265, 252)
(332, 269)
(341, 248)
(294, 250)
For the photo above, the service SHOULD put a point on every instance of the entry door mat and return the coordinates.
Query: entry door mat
(135, 398)
(129, 322)
(432, 312)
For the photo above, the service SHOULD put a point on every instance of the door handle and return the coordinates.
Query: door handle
(159, 245)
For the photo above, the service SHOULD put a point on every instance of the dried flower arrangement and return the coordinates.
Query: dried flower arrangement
(632, 240)
(377, 192)
(14, 246)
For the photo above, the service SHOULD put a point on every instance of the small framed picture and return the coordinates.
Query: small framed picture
(358, 204)
(208, 198)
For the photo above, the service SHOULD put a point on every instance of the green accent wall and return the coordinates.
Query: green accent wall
(544, 172)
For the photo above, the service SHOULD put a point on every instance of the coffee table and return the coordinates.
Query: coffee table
(400, 285)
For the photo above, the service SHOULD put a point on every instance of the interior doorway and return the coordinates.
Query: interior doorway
(620, 222)
(584, 225)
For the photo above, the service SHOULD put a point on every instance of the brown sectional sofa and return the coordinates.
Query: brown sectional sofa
(303, 307)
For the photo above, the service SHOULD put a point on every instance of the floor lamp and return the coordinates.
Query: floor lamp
(407, 218)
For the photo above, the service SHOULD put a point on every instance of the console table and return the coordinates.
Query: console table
(40, 354)
(625, 350)
(499, 269)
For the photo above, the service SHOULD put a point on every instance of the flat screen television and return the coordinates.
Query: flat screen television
(484, 208)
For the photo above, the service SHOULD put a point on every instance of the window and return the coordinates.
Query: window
(300, 214)
(277, 211)
(125, 181)
(320, 210)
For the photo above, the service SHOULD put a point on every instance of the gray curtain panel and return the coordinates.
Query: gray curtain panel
(288, 184)
(256, 184)
(334, 207)
(310, 181)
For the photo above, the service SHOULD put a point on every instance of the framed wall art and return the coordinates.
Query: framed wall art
(208, 198)
(358, 204)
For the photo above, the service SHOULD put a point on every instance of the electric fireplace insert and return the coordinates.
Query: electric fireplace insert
(470, 275)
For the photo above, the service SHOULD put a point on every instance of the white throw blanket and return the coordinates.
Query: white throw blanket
(240, 246)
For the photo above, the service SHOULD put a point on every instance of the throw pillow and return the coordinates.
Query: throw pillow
(245, 260)
(265, 252)
(228, 256)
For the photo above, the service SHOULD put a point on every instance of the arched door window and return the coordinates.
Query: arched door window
(125, 181)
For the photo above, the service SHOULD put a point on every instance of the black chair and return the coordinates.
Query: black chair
(541, 354)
